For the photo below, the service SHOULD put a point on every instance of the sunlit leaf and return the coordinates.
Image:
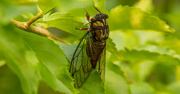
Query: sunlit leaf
(111, 47)
(134, 18)
(100, 3)
(136, 55)
(152, 48)
(123, 39)
(145, 5)
(46, 5)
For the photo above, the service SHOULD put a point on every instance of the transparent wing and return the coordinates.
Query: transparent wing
(102, 64)
(80, 67)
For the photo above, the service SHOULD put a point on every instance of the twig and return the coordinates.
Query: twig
(35, 18)
(26, 26)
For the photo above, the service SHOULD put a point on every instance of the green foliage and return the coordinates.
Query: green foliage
(93, 85)
(52, 68)
(17, 59)
(143, 55)
(119, 80)
(134, 18)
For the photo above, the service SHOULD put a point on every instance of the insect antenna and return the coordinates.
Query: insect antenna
(97, 9)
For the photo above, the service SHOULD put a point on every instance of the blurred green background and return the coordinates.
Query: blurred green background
(142, 32)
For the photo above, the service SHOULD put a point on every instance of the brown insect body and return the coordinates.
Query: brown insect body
(99, 32)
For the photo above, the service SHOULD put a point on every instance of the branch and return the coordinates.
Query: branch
(36, 17)
(26, 26)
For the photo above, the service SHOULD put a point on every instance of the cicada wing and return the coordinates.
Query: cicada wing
(102, 64)
(80, 67)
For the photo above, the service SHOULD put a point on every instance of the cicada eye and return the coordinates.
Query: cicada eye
(107, 16)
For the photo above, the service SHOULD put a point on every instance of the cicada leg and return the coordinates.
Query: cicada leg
(88, 18)
(81, 28)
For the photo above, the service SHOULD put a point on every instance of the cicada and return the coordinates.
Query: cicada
(91, 51)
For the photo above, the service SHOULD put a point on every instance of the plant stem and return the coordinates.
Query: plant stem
(36, 17)
(26, 26)
(37, 30)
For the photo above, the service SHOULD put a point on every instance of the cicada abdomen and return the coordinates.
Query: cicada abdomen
(91, 51)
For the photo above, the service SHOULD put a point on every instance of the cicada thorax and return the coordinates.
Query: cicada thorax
(99, 32)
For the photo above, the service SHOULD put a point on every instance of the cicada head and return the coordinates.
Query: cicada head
(100, 17)
(99, 26)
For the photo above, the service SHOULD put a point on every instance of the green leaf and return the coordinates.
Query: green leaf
(115, 80)
(141, 88)
(120, 39)
(145, 5)
(47, 5)
(63, 5)
(111, 47)
(173, 18)
(143, 69)
(148, 37)
(156, 49)
(112, 4)
(17, 58)
(53, 63)
(2, 62)
(139, 55)
(136, 39)
(2, 57)
(76, 13)
(67, 49)
(175, 87)
(67, 24)
(99, 3)
(70, 4)
(133, 18)
(93, 84)
(10, 83)
(10, 9)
